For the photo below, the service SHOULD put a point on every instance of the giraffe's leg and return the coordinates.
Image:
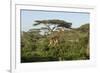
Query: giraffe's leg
(50, 42)
(55, 42)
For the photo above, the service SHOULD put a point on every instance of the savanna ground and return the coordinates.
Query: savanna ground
(73, 44)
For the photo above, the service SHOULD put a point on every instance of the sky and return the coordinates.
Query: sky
(29, 16)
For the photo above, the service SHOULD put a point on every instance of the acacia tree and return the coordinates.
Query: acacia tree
(51, 25)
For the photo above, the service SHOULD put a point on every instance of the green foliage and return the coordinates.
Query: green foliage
(72, 46)
(55, 22)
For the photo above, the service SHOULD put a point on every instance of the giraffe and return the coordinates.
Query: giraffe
(54, 38)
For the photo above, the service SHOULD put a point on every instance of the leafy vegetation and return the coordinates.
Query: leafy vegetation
(70, 44)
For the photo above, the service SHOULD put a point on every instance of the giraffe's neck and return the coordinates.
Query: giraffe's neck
(54, 39)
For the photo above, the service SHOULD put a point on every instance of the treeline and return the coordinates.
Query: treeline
(74, 45)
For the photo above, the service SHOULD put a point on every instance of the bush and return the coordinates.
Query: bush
(72, 46)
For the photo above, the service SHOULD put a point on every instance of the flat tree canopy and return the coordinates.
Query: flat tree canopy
(56, 22)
